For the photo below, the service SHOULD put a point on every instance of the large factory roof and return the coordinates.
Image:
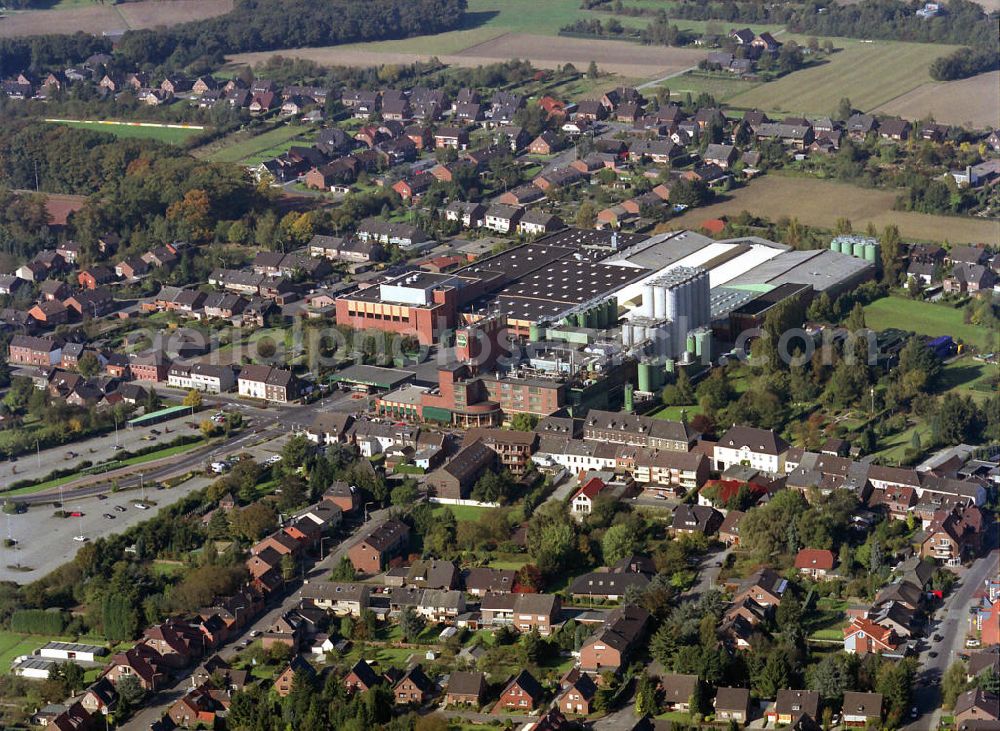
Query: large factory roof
(660, 250)
(822, 269)
(548, 292)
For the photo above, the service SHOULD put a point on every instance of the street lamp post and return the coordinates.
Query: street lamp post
(370, 502)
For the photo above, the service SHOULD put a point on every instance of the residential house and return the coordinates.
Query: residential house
(455, 480)
(547, 143)
(503, 218)
(284, 683)
(764, 586)
(382, 542)
(536, 223)
(361, 677)
(456, 138)
(729, 531)
(414, 688)
(762, 449)
(791, 704)
(862, 709)
(49, 313)
(577, 694)
(270, 384)
(28, 350)
(863, 636)
(815, 563)
(582, 503)
(677, 691)
(523, 612)
(521, 695)
(695, 520)
(609, 648)
(733, 705)
(469, 215)
(977, 705)
(465, 689)
(480, 581)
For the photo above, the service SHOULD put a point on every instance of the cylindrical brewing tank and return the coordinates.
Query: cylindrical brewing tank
(672, 303)
(859, 249)
(647, 300)
(706, 299)
(629, 400)
(871, 253)
(626, 334)
(835, 245)
(703, 344)
(690, 343)
(659, 302)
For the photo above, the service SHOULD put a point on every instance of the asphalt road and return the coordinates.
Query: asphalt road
(162, 700)
(951, 622)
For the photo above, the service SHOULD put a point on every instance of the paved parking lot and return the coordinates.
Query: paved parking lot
(45, 542)
(98, 449)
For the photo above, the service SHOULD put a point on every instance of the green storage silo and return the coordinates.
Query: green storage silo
(835, 245)
(669, 365)
(689, 343)
(646, 377)
(859, 249)
(872, 253)
(629, 398)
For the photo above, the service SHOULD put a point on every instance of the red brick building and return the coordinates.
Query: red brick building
(372, 552)
(34, 351)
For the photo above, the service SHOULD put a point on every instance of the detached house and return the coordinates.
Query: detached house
(610, 647)
(522, 695)
(791, 704)
(762, 449)
(814, 563)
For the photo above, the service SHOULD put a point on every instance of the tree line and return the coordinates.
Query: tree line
(264, 25)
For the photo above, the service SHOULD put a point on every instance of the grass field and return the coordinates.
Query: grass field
(72, 16)
(13, 644)
(869, 74)
(172, 135)
(821, 202)
(722, 88)
(462, 512)
(925, 318)
(971, 102)
(968, 377)
(255, 149)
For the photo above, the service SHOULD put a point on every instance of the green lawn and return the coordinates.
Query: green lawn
(721, 87)
(506, 563)
(869, 74)
(14, 644)
(462, 512)
(166, 568)
(674, 413)
(160, 454)
(255, 149)
(968, 377)
(926, 318)
(170, 135)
